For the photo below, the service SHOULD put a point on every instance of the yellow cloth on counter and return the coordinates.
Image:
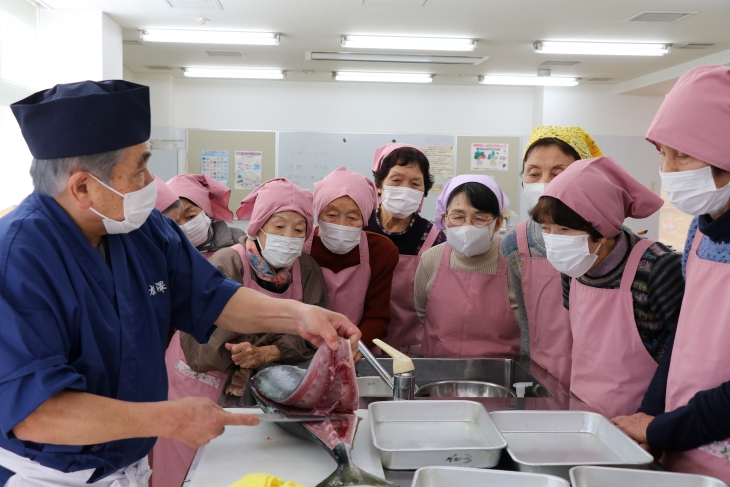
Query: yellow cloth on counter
(263, 480)
(574, 136)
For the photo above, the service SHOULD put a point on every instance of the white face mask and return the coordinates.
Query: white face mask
(137, 208)
(694, 192)
(280, 251)
(469, 240)
(401, 202)
(570, 254)
(197, 229)
(339, 239)
(532, 193)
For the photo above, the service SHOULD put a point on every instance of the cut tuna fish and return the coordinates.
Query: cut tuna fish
(329, 385)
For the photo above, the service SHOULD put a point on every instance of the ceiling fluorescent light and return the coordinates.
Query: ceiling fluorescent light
(210, 37)
(413, 43)
(234, 73)
(384, 77)
(601, 48)
(392, 58)
(528, 80)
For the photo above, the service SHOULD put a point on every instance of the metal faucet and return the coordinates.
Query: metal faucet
(403, 380)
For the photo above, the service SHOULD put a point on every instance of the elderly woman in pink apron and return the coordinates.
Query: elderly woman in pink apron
(462, 287)
(271, 262)
(402, 176)
(357, 265)
(544, 321)
(686, 412)
(205, 212)
(167, 201)
(614, 281)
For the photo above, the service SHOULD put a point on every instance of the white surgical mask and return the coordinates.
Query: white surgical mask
(469, 240)
(694, 192)
(532, 193)
(280, 251)
(197, 229)
(570, 254)
(137, 208)
(401, 202)
(339, 239)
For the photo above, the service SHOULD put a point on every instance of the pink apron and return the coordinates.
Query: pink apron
(700, 358)
(170, 458)
(405, 331)
(551, 341)
(611, 368)
(469, 314)
(347, 289)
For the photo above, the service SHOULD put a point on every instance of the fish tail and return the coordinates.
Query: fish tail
(348, 473)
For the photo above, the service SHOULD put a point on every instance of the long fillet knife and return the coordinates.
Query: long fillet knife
(285, 418)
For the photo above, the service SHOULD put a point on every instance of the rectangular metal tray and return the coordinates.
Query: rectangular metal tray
(611, 477)
(413, 434)
(553, 442)
(459, 476)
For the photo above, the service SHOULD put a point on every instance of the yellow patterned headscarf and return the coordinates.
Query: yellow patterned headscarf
(575, 137)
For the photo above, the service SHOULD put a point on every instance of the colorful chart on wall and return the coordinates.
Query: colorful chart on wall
(490, 157)
(214, 164)
(248, 169)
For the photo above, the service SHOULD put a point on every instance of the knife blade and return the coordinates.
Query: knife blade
(285, 418)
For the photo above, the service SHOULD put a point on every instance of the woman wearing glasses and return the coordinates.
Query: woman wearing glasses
(462, 288)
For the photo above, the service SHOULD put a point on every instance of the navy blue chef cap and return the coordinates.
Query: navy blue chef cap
(89, 117)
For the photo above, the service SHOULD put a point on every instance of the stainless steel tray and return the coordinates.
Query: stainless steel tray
(414, 434)
(611, 477)
(553, 442)
(459, 476)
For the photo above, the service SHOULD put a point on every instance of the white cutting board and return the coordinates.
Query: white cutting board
(266, 448)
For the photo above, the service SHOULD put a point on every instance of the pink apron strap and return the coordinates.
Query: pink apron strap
(364, 251)
(697, 240)
(522, 246)
(632, 265)
(241, 251)
(430, 239)
(502, 265)
(296, 285)
(245, 265)
(446, 257)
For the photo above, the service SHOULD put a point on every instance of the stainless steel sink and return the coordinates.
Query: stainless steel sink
(504, 372)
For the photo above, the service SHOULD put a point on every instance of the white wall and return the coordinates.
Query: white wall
(162, 98)
(352, 107)
(78, 45)
(112, 53)
(599, 111)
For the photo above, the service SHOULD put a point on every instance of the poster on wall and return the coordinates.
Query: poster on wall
(441, 160)
(490, 157)
(248, 169)
(214, 164)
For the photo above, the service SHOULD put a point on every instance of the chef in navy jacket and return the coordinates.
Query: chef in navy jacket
(91, 277)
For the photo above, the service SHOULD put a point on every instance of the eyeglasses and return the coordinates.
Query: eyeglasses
(479, 221)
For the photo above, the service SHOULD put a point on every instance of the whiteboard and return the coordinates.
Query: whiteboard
(307, 157)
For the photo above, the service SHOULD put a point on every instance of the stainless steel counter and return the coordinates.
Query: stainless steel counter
(546, 394)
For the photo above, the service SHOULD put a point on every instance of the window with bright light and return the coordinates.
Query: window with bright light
(18, 79)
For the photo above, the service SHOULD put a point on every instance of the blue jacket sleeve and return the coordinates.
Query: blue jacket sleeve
(653, 403)
(34, 365)
(199, 290)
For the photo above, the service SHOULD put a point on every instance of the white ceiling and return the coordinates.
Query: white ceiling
(506, 30)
